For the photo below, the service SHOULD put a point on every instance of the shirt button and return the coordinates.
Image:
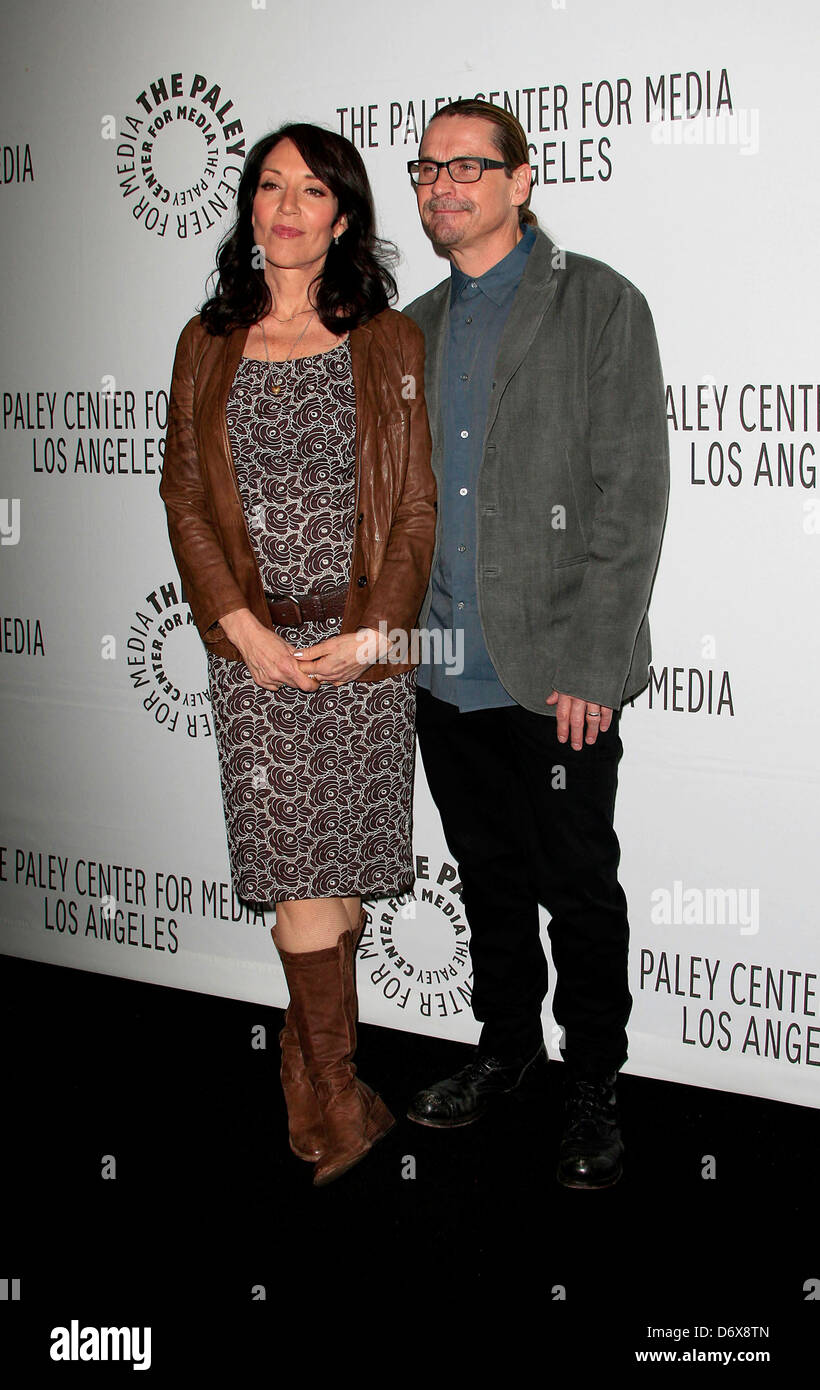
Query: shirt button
(361, 581)
(469, 320)
(464, 376)
(461, 549)
(459, 605)
(465, 434)
(473, 285)
(463, 491)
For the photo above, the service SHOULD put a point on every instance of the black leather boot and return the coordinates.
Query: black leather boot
(461, 1099)
(591, 1152)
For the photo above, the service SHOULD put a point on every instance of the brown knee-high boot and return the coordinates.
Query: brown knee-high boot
(305, 1131)
(323, 1000)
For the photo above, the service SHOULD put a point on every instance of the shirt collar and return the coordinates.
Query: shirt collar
(496, 282)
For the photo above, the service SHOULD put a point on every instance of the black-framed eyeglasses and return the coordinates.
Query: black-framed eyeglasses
(465, 169)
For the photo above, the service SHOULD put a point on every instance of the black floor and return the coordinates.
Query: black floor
(443, 1248)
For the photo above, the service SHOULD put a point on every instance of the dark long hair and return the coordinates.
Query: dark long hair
(355, 283)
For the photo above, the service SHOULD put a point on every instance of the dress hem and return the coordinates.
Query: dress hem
(376, 892)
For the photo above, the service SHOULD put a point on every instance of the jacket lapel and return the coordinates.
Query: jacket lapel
(533, 298)
(435, 355)
(234, 344)
(360, 341)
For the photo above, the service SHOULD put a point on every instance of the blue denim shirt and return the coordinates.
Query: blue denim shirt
(478, 312)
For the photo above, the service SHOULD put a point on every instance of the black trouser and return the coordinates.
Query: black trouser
(528, 820)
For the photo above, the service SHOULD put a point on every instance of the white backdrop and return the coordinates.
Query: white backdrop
(112, 844)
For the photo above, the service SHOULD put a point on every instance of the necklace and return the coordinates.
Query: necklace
(277, 385)
(292, 317)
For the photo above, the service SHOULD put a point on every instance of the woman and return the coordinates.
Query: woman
(301, 512)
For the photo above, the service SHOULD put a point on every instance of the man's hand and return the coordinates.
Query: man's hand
(343, 658)
(573, 715)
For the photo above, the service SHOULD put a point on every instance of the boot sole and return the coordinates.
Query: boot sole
(531, 1085)
(379, 1123)
(591, 1186)
(526, 1090)
(446, 1124)
(305, 1157)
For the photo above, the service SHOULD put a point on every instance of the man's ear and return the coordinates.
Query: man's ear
(522, 180)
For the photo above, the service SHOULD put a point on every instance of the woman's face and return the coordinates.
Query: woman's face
(295, 215)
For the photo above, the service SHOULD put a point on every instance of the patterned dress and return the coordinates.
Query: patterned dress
(317, 785)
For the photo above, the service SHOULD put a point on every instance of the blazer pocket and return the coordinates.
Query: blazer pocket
(565, 586)
(571, 560)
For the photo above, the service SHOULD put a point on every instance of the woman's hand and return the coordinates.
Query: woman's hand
(342, 658)
(269, 658)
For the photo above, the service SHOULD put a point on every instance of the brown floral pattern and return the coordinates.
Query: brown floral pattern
(317, 786)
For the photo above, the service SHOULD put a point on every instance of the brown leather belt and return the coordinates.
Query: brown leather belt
(294, 610)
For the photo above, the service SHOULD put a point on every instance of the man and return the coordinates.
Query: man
(550, 450)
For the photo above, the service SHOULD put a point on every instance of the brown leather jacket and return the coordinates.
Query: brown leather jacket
(395, 487)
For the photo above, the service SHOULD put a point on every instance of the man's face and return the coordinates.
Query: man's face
(463, 215)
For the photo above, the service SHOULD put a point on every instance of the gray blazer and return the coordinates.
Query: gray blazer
(573, 483)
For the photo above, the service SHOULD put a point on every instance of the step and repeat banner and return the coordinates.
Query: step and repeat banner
(676, 143)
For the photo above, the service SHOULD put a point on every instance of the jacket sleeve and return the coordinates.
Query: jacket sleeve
(209, 583)
(629, 461)
(398, 593)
